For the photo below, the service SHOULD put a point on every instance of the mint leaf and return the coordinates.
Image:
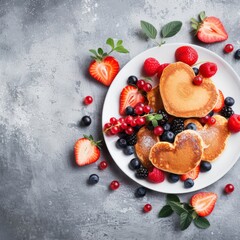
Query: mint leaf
(165, 211)
(171, 29)
(173, 198)
(177, 207)
(149, 29)
(119, 43)
(154, 122)
(185, 220)
(202, 15)
(121, 49)
(110, 42)
(158, 116)
(201, 222)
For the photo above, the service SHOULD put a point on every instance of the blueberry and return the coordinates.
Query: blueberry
(229, 101)
(205, 166)
(132, 80)
(168, 136)
(173, 177)
(86, 120)
(140, 192)
(134, 164)
(237, 54)
(188, 183)
(166, 127)
(129, 110)
(196, 70)
(191, 126)
(211, 113)
(121, 143)
(93, 179)
(128, 150)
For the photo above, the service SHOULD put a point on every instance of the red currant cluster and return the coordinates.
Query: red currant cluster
(143, 85)
(208, 120)
(127, 124)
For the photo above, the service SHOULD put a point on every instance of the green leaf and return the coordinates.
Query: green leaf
(202, 15)
(158, 117)
(119, 43)
(154, 122)
(110, 42)
(171, 29)
(201, 222)
(165, 211)
(121, 49)
(149, 29)
(173, 198)
(185, 220)
(100, 51)
(93, 52)
(193, 20)
(150, 117)
(177, 207)
(194, 26)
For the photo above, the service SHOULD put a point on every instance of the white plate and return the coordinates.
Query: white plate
(225, 79)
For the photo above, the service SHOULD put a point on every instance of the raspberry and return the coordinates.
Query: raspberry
(208, 69)
(161, 68)
(234, 123)
(156, 176)
(187, 55)
(150, 66)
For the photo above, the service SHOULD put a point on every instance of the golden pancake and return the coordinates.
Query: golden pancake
(181, 98)
(180, 157)
(214, 136)
(145, 140)
(154, 99)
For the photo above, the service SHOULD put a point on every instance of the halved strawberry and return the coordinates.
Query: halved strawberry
(192, 174)
(220, 103)
(203, 203)
(104, 70)
(209, 29)
(130, 96)
(86, 151)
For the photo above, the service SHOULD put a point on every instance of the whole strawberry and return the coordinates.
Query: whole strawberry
(187, 55)
(104, 68)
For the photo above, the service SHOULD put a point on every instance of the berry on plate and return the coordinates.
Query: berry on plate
(192, 174)
(234, 123)
(187, 55)
(197, 80)
(86, 150)
(203, 203)
(209, 29)
(130, 96)
(208, 69)
(220, 102)
(161, 68)
(156, 175)
(150, 66)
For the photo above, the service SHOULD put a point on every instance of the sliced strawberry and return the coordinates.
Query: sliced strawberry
(130, 96)
(220, 103)
(203, 203)
(156, 175)
(104, 70)
(192, 174)
(210, 29)
(86, 151)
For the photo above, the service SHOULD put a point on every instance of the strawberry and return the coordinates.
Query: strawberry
(186, 54)
(130, 96)
(220, 103)
(209, 29)
(203, 203)
(150, 66)
(161, 68)
(104, 67)
(234, 123)
(105, 70)
(156, 175)
(193, 174)
(86, 150)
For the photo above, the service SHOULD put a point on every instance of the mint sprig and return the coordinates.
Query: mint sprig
(154, 118)
(185, 211)
(168, 30)
(116, 46)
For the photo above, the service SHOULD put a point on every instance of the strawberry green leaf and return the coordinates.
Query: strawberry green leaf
(202, 15)
(121, 49)
(100, 51)
(185, 220)
(177, 207)
(173, 198)
(110, 42)
(171, 29)
(194, 26)
(149, 29)
(201, 222)
(193, 20)
(119, 43)
(93, 52)
(165, 211)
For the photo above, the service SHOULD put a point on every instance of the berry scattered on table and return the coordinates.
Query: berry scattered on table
(229, 188)
(188, 183)
(234, 123)
(93, 179)
(132, 80)
(229, 101)
(208, 69)
(228, 48)
(187, 55)
(173, 177)
(150, 66)
(227, 112)
(237, 54)
(197, 80)
(134, 164)
(156, 175)
(86, 120)
(140, 192)
(103, 165)
(142, 172)
(114, 185)
(147, 208)
(205, 166)
(88, 100)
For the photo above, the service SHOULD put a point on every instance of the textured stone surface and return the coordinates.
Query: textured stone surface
(43, 70)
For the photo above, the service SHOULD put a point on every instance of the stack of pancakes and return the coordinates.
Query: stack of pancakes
(179, 97)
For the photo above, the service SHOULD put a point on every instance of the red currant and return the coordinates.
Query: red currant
(107, 126)
(129, 130)
(113, 120)
(128, 119)
(141, 121)
(147, 87)
(114, 185)
(139, 104)
(121, 120)
(115, 130)
(158, 130)
(228, 48)
(211, 121)
(147, 109)
(103, 165)
(124, 125)
(229, 188)
(139, 110)
(147, 208)
(140, 84)
(134, 123)
(197, 80)
(88, 100)
(204, 119)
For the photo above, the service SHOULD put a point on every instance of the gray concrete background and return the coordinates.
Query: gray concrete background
(43, 72)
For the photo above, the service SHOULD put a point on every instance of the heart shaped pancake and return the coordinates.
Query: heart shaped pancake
(180, 157)
(214, 136)
(145, 140)
(181, 98)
